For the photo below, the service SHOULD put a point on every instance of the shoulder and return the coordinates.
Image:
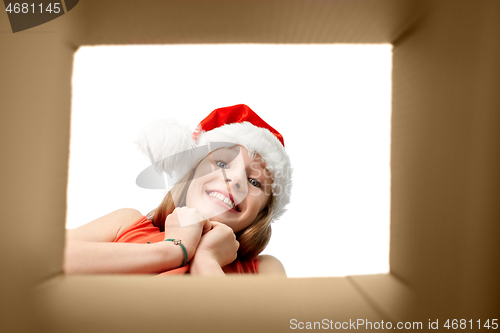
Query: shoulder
(270, 265)
(128, 215)
(107, 227)
(125, 217)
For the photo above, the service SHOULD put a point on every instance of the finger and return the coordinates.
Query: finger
(207, 226)
(220, 225)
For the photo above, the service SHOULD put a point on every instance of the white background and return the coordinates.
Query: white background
(330, 102)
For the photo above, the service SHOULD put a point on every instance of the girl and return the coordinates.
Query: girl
(217, 217)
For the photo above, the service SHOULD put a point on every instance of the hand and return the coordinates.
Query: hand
(218, 244)
(187, 224)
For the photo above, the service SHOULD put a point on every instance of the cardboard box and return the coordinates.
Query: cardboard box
(445, 170)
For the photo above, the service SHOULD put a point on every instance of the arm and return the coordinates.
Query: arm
(105, 228)
(201, 265)
(89, 248)
(269, 265)
(83, 257)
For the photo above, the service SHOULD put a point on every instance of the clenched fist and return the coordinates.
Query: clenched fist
(218, 244)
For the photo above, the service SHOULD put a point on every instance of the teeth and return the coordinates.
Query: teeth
(222, 198)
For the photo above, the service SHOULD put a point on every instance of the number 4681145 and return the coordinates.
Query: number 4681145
(26, 8)
(464, 324)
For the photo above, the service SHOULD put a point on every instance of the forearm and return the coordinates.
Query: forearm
(120, 258)
(205, 266)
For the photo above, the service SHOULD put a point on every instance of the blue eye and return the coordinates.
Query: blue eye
(254, 182)
(221, 164)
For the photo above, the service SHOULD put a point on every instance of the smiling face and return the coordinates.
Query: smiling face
(230, 187)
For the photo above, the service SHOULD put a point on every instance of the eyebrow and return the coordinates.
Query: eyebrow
(260, 162)
(262, 165)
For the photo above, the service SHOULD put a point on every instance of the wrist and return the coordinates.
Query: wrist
(205, 264)
(178, 242)
(190, 249)
(171, 254)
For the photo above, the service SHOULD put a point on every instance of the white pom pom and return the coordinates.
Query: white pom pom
(162, 139)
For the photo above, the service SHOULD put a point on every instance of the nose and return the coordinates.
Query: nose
(236, 178)
(237, 184)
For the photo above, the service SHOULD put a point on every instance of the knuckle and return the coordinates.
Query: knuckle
(225, 227)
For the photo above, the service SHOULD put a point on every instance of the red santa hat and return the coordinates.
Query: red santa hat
(173, 149)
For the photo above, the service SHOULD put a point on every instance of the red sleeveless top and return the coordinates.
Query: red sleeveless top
(143, 231)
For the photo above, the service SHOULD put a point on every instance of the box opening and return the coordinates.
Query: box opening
(332, 103)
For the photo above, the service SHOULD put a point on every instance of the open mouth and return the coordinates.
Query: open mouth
(222, 198)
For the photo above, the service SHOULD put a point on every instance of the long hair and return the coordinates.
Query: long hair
(253, 239)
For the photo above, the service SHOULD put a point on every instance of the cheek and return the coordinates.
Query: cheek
(259, 202)
(201, 178)
(204, 174)
(203, 169)
(193, 191)
(199, 184)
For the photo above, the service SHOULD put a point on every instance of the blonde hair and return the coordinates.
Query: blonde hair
(253, 239)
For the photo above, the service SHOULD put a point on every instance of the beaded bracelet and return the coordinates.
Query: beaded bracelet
(178, 242)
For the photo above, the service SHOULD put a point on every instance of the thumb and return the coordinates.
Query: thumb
(217, 224)
(207, 226)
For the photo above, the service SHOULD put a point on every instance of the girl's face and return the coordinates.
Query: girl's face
(230, 187)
